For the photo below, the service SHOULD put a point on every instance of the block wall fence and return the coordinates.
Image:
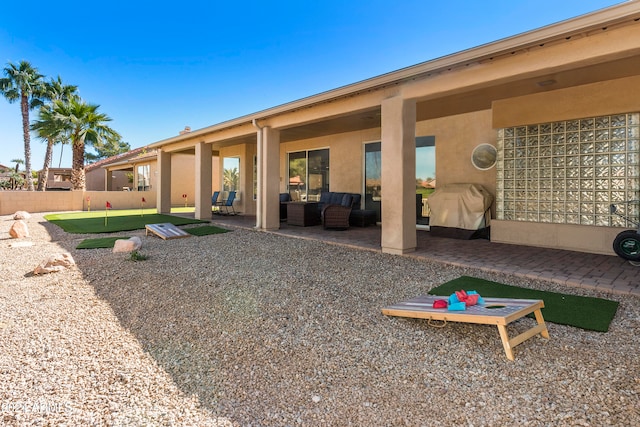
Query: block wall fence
(63, 201)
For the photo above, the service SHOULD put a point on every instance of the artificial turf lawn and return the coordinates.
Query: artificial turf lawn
(94, 222)
(205, 230)
(589, 313)
(102, 242)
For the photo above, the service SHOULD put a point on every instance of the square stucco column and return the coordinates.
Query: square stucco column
(270, 182)
(203, 181)
(398, 176)
(164, 182)
(108, 181)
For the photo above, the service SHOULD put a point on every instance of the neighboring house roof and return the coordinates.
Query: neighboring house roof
(5, 170)
(136, 153)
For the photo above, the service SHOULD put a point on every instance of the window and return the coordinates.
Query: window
(372, 177)
(231, 174)
(61, 177)
(425, 176)
(143, 178)
(308, 174)
(569, 172)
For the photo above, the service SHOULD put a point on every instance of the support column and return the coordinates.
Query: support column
(269, 185)
(163, 203)
(203, 172)
(398, 176)
(108, 181)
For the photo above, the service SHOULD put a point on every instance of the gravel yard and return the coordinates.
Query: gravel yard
(254, 329)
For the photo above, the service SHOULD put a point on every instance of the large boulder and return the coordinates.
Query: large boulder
(55, 263)
(19, 230)
(127, 245)
(21, 215)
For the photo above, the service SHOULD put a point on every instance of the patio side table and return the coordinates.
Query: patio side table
(303, 214)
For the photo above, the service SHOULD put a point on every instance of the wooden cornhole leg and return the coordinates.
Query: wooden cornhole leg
(508, 344)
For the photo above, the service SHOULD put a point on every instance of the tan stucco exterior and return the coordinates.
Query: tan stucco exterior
(580, 68)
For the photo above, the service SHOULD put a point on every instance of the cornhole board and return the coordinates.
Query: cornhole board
(495, 311)
(166, 231)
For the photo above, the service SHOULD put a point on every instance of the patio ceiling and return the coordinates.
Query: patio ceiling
(476, 99)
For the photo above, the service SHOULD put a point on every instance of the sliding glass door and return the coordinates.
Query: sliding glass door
(308, 174)
(372, 177)
(425, 177)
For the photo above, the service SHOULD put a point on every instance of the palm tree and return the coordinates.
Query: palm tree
(48, 126)
(230, 179)
(23, 82)
(18, 162)
(84, 126)
(15, 178)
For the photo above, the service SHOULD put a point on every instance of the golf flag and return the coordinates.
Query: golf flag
(106, 216)
(88, 204)
(142, 202)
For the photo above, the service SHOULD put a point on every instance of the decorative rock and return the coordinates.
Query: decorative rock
(19, 230)
(55, 263)
(21, 215)
(127, 245)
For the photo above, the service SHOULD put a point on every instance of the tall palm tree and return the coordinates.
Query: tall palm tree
(23, 82)
(48, 126)
(85, 126)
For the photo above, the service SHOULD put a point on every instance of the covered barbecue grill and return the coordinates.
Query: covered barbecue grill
(460, 211)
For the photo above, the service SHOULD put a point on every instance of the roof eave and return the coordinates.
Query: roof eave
(603, 18)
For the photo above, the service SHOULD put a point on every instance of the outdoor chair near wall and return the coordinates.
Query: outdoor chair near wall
(336, 215)
(228, 203)
(215, 204)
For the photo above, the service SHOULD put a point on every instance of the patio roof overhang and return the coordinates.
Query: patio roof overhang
(449, 85)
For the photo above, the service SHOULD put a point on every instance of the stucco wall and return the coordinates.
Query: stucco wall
(62, 201)
(597, 99)
(605, 98)
(456, 137)
(345, 158)
(560, 236)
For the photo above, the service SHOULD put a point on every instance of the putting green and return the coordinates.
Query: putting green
(113, 221)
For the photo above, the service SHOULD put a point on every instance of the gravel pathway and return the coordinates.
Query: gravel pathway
(254, 329)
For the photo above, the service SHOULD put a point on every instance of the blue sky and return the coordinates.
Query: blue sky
(156, 67)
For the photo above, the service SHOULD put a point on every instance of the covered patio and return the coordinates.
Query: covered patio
(541, 99)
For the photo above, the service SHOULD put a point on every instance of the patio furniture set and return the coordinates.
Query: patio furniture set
(334, 210)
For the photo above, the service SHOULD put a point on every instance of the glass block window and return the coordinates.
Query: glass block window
(570, 172)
